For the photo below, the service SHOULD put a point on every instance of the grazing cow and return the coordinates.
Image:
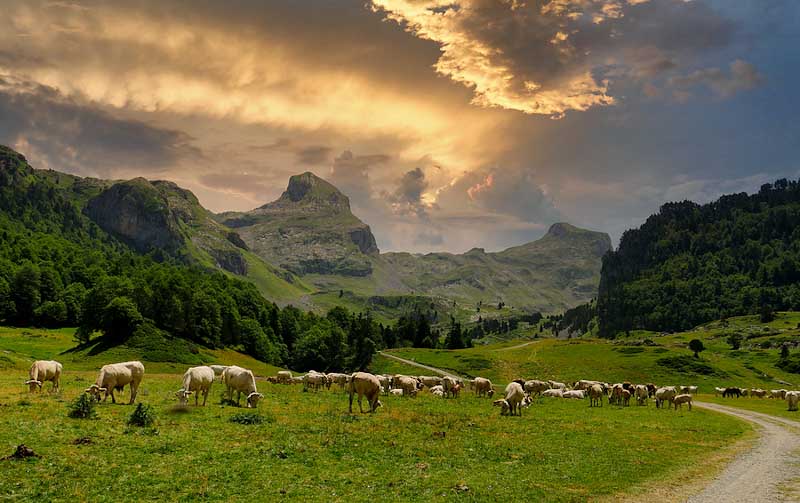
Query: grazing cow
(732, 391)
(683, 389)
(793, 398)
(665, 394)
(196, 380)
(298, 380)
(42, 371)
(449, 383)
(553, 393)
(385, 382)
(679, 400)
(615, 394)
(535, 387)
(410, 385)
(483, 387)
(284, 377)
(241, 381)
(430, 381)
(116, 376)
(596, 395)
(575, 393)
(366, 385)
(651, 390)
(314, 380)
(759, 393)
(339, 379)
(777, 393)
(641, 394)
(557, 385)
(626, 397)
(718, 391)
(514, 396)
(744, 392)
(692, 390)
(585, 384)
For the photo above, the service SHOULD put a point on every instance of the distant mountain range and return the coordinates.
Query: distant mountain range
(307, 248)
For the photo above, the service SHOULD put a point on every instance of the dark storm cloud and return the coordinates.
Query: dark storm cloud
(59, 133)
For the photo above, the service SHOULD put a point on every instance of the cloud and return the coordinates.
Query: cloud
(554, 56)
(56, 132)
(742, 76)
(350, 174)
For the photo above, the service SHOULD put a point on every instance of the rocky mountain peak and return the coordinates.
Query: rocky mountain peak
(309, 190)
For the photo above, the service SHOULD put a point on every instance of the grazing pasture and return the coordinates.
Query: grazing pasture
(307, 447)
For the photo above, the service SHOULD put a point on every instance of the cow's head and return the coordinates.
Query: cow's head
(491, 393)
(503, 404)
(34, 385)
(95, 391)
(253, 398)
(377, 404)
(183, 396)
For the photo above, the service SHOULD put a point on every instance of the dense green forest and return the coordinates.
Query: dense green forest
(692, 263)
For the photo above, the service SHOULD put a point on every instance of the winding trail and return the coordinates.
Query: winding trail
(757, 475)
(415, 364)
(517, 346)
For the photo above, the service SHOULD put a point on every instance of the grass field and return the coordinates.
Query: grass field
(642, 357)
(310, 449)
(764, 405)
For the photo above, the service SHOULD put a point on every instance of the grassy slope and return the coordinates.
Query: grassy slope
(312, 450)
(600, 359)
(19, 347)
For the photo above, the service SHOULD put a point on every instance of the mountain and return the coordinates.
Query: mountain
(690, 263)
(309, 229)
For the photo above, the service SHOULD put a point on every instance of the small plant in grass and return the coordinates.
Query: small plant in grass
(249, 418)
(83, 407)
(144, 416)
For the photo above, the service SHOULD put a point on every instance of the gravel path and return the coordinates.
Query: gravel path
(415, 364)
(756, 475)
(517, 346)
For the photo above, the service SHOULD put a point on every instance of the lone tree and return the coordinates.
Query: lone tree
(696, 345)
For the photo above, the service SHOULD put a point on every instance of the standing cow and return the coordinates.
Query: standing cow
(43, 371)
(116, 376)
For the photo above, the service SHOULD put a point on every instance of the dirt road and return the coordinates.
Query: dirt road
(769, 472)
(415, 364)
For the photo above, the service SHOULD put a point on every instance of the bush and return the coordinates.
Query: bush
(249, 418)
(689, 365)
(143, 416)
(83, 407)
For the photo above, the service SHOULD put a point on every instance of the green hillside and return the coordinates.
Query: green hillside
(690, 263)
(641, 357)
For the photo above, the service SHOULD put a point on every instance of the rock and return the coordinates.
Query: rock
(22, 452)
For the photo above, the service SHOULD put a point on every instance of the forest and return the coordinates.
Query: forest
(691, 263)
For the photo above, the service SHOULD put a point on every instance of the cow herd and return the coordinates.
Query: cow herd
(792, 397)
(518, 394)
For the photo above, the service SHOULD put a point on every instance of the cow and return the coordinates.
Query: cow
(430, 381)
(681, 399)
(115, 376)
(514, 396)
(410, 385)
(651, 390)
(241, 381)
(595, 395)
(732, 391)
(196, 380)
(536, 387)
(792, 397)
(759, 393)
(575, 393)
(314, 380)
(483, 387)
(449, 384)
(218, 370)
(557, 385)
(553, 393)
(641, 394)
(366, 385)
(42, 371)
(284, 377)
(338, 379)
(665, 394)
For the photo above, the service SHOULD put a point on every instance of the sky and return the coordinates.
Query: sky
(450, 124)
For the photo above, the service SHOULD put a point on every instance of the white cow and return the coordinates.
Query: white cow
(430, 381)
(409, 385)
(793, 398)
(218, 369)
(241, 381)
(340, 379)
(366, 385)
(483, 387)
(641, 394)
(679, 400)
(557, 385)
(514, 396)
(196, 380)
(115, 376)
(553, 393)
(575, 393)
(665, 394)
(284, 377)
(314, 380)
(43, 371)
(536, 387)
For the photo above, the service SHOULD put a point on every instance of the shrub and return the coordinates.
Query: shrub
(143, 416)
(689, 365)
(83, 407)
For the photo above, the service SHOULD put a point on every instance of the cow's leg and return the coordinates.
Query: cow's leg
(359, 403)
(110, 390)
(134, 390)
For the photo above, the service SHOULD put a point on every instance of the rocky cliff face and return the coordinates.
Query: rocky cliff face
(161, 216)
(137, 213)
(308, 230)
